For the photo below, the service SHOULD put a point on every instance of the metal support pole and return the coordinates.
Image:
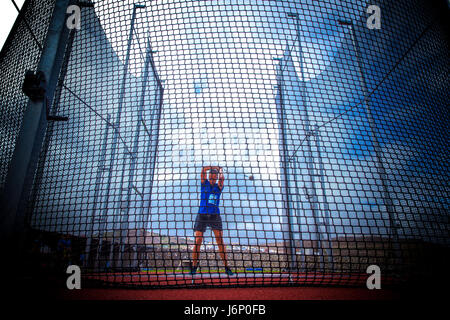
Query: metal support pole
(313, 199)
(100, 171)
(50, 127)
(288, 201)
(117, 124)
(31, 136)
(155, 117)
(297, 208)
(136, 144)
(376, 144)
(326, 208)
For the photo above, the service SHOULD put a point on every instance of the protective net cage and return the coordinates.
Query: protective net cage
(329, 134)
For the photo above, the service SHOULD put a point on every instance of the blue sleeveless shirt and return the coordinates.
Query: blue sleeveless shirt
(210, 198)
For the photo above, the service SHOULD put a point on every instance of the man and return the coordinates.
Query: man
(209, 215)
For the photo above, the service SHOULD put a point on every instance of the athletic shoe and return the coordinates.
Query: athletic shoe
(228, 271)
(193, 270)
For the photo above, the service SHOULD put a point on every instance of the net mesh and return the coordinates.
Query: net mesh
(20, 52)
(331, 136)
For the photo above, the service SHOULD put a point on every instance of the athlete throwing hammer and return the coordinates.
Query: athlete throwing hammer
(209, 215)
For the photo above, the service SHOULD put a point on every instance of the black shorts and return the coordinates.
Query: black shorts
(214, 221)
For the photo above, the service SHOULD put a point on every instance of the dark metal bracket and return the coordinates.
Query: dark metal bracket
(34, 86)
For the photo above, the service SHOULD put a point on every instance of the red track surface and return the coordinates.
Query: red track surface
(241, 279)
(303, 292)
(268, 293)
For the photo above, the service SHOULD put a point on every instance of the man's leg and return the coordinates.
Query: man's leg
(219, 240)
(198, 243)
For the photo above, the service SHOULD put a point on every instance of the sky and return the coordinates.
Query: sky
(8, 15)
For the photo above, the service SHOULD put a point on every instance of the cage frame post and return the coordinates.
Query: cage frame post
(285, 164)
(123, 233)
(29, 141)
(312, 171)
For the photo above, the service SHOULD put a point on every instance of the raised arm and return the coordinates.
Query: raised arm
(221, 178)
(204, 172)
